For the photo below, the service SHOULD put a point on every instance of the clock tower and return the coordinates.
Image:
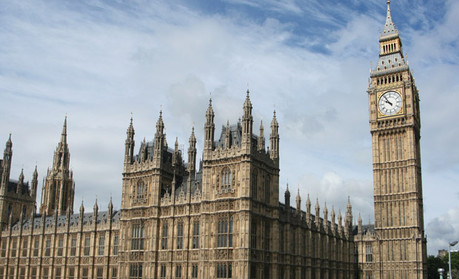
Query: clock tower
(399, 248)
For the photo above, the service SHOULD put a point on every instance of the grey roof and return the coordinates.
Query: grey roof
(390, 63)
(102, 217)
(235, 136)
(196, 183)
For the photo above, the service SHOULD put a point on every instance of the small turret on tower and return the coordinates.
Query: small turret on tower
(247, 123)
(209, 130)
(192, 154)
(274, 140)
(129, 144)
(261, 138)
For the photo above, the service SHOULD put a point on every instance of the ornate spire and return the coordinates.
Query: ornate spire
(287, 199)
(274, 139)
(261, 138)
(64, 131)
(247, 123)
(389, 27)
(129, 144)
(298, 201)
(228, 135)
(209, 130)
(192, 153)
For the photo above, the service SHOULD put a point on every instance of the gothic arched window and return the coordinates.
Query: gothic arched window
(226, 178)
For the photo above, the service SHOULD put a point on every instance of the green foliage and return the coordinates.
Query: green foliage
(434, 263)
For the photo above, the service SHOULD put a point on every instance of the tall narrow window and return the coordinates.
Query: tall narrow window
(71, 273)
(195, 235)
(85, 273)
(162, 273)
(194, 271)
(135, 271)
(25, 246)
(226, 179)
(137, 240)
(87, 247)
(225, 232)
(100, 273)
(33, 273)
(224, 270)
(58, 272)
(114, 272)
(3, 248)
(60, 246)
(178, 271)
(115, 244)
(73, 244)
(36, 244)
(369, 253)
(180, 235)
(45, 273)
(48, 247)
(101, 245)
(14, 244)
(164, 237)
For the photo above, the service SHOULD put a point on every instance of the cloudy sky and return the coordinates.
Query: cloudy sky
(100, 61)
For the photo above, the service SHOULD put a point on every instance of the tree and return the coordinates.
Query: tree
(433, 264)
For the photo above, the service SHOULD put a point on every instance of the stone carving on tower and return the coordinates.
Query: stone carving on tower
(59, 188)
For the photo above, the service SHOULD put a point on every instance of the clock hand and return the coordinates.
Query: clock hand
(387, 101)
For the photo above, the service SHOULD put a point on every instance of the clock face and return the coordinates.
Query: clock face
(390, 103)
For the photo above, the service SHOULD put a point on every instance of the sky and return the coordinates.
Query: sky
(99, 62)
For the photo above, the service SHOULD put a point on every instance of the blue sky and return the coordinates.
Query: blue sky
(100, 61)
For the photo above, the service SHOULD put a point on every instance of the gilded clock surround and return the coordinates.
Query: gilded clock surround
(398, 113)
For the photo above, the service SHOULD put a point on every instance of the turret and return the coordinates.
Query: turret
(308, 210)
(209, 129)
(192, 154)
(247, 123)
(129, 144)
(325, 217)
(33, 192)
(317, 220)
(287, 199)
(62, 155)
(348, 219)
(95, 212)
(20, 184)
(110, 209)
(332, 221)
(274, 140)
(160, 137)
(228, 135)
(340, 223)
(298, 203)
(6, 165)
(360, 230)
(81, 211)
(261, 138)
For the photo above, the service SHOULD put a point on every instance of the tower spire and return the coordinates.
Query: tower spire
(389, 27)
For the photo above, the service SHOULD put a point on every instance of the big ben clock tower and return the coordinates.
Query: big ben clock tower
(399, 249)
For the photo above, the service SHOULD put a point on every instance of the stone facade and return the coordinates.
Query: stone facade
(222, 218)
(395, 247)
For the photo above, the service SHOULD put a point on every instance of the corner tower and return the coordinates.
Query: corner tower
(59, 189)
(400, 244)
